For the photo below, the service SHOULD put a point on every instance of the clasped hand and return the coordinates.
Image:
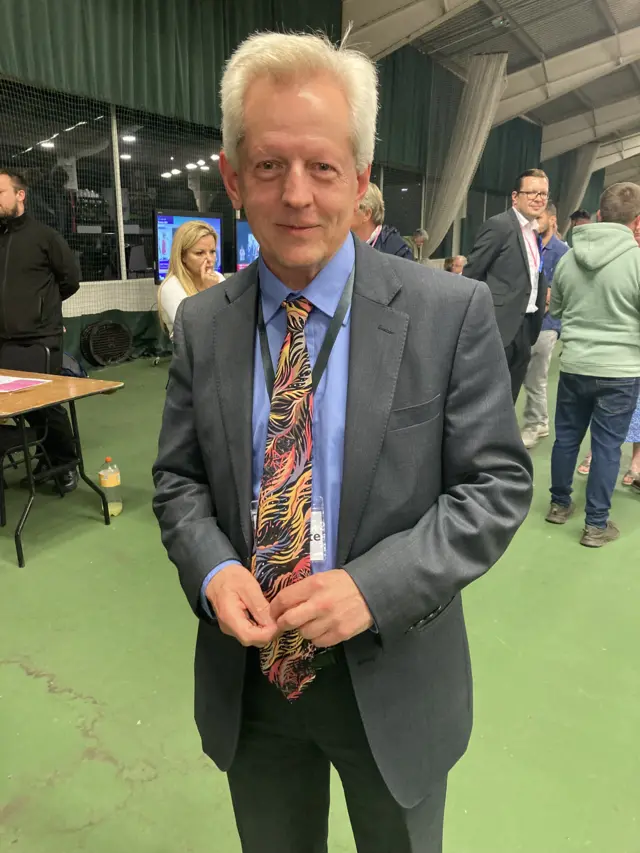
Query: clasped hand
(326, 608)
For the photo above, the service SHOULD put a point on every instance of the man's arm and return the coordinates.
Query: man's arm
(182, 502)
(487, 247)
(556, 305)
(488, 474)
(64, 266)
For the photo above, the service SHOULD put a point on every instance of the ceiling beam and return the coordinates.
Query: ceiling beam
(607, 14)
(625, 170)
(516, 30)
(616, 152)
(382, 26)
(530, 88)
(596, 123)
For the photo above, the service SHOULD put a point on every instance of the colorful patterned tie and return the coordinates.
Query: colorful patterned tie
(282, 553)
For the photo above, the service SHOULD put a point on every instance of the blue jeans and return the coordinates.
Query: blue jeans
(607, 405)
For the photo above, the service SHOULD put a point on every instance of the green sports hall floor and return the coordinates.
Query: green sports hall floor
(98, 751)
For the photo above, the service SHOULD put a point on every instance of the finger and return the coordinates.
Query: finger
(236, 621)
(254, 601)
(298, 616)
(291, 596)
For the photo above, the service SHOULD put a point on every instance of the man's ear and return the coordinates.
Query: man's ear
(230, 180)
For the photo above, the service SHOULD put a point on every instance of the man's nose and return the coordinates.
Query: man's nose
(296, 191)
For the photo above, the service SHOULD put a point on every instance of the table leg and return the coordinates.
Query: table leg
(83, 473)
(32, 490)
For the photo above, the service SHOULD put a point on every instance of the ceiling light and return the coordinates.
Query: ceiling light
(67, 129)
(55, 135)
(173, 158)
(175, 171)
(128, 138)
(80, 122)
(125, 156)
(204, 168)
(165, 175)
(191, 166)
(26, 150)
(97, 118)
(215, 157)
(47, 144)
(404, 190)
(200, 162)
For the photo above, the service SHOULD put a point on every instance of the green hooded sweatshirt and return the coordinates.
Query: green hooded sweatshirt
(596, 294)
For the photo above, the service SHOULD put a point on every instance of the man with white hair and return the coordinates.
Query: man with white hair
(339, 458)
(368, 225)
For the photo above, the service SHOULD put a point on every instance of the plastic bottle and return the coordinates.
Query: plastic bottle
(110, 484)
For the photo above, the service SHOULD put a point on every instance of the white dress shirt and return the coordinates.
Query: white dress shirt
(530, 235)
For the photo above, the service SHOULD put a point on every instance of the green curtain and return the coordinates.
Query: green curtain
(162, 56)
(405, 96)
(591, 200)
(511, 148)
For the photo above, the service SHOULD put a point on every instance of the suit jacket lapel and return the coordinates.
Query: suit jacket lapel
(234, 347)
(521, 242)
(378, 335)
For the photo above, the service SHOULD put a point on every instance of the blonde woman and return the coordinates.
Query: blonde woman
(192, 268)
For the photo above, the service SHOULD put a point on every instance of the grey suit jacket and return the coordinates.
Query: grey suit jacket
(436, 482)
(499, 257)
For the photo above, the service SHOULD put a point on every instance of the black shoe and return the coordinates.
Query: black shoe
(39, 475)
(68, 482)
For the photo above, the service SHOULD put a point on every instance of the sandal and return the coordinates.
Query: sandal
(630, 477)
(585, 466)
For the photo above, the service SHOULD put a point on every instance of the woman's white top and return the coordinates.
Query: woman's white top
(171, 295)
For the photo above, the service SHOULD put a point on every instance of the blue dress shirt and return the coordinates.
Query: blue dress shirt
(330, 402)
(551, 254)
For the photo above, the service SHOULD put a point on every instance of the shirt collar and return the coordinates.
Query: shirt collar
(524, 221)
(323, 292)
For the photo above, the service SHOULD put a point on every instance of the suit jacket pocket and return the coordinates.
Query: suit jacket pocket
(415, 415)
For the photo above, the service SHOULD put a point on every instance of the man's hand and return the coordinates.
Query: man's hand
(241, 609)
(326, 608)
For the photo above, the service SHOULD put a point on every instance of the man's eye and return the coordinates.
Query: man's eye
(267, 165)
(324, 167)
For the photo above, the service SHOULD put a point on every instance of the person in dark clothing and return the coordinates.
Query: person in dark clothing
(368, 225)
(38, 272)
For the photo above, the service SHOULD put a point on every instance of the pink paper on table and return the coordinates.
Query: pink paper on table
(8, 384)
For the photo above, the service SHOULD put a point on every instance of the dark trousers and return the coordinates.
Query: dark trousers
(607, 405)
(518, 352)
(29, 356)
(280, 777)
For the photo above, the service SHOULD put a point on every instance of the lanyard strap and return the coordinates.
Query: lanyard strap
(327, 344)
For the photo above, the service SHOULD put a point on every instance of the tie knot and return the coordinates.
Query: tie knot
(298, 310)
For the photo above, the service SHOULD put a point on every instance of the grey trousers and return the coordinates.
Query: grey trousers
(535, 383)
(280, 778)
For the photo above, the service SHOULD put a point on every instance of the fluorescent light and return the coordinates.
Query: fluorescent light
(215, 157)
(47, 144)
(175, 171)
(80, 122)
(204, 168)
(128, 138)
(404, 190)
(125, 156)
(173, 158)
(26, 150)
(67, 129)
(200, 162)
(55, 135)
(97, 118)
(191, 166)
(165, 175)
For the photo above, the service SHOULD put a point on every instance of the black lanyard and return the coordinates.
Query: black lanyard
(327, 344)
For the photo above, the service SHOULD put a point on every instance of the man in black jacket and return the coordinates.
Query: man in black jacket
(507, 257)
(37, 273)
(368, 225)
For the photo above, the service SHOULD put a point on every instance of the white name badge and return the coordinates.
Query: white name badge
(318, 534)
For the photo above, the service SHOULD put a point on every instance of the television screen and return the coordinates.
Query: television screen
(167, 223)
(247, 248)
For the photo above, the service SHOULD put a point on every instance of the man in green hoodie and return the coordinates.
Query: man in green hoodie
(596, 293)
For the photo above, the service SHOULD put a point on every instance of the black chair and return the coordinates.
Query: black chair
(20, 438)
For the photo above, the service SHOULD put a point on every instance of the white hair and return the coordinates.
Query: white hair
(292, 56)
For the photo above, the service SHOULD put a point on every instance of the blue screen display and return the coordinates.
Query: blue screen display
(247, 248)
(166, 226)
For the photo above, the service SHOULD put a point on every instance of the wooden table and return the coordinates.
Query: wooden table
(59, 389)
